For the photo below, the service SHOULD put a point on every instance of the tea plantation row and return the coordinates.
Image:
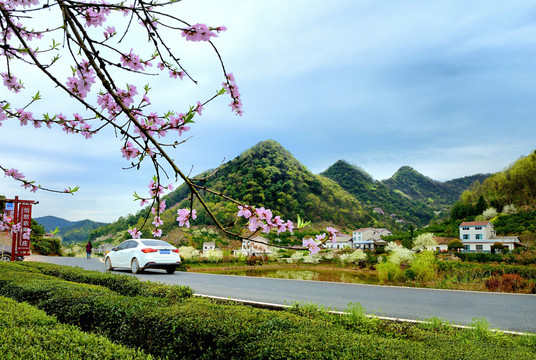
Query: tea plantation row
(167, 322)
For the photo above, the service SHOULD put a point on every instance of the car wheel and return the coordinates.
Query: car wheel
(108, 264)
(135, 266)
(170, 270)
(5, 257)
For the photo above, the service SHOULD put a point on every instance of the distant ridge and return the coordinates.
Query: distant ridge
(268, 175)
(70, 231)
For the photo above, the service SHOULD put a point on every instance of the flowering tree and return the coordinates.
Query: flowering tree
(45, 36)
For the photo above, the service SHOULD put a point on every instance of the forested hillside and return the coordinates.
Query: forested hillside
(69, 231)
(515, 185)
(435, 193)
(265, 175)
(268, 175)
(374, 194)
(344, 195)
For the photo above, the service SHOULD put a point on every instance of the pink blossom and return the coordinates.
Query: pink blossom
(332, 234)
(244, 211)
(96, 16)
(200, 32)
(162, 206)
(174, 73)
(135, 233)
(253, 223)
(129, 151)
(109, 31)
(290, 226)
(184, 216)
(311, 245)
(157, 221)
(11, 82)
(24, 116)
(199, 108)
(132, 61)
(156, 232)
(14, 173)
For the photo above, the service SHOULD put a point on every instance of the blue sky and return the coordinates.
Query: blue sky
(446, 87)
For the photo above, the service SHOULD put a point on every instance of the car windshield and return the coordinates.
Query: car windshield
(155, 243)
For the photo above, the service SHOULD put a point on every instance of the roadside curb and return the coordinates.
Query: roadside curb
(279, 307)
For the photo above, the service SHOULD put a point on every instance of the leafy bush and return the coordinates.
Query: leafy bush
(28, 333)
(389, 271)
(509, 283)
(424, 266)
(122, 284)
(202, 329)
(455, 244)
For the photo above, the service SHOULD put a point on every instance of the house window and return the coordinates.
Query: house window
(466, 236)
(478, 228)
(466, 247)
(479, 248)
(465, 228)
(478, 236)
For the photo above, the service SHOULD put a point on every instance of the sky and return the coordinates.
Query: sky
(446, 87)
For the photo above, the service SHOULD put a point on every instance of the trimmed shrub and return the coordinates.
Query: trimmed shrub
(123, 284)
(201, 329)
(28, 333)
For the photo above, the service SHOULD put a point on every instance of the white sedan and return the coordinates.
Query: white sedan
(140, 254)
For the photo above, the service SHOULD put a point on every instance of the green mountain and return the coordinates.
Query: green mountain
(69, 231)
(268, 175)
(265, 175)
(434, 193)
(375, 194)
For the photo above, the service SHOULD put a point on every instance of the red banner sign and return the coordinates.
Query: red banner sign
(23, 238)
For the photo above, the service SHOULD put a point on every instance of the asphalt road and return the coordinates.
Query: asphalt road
(512, 312)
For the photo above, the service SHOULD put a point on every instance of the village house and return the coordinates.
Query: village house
(479, 236)
(341, 241)
(369, 238)
(256, 246)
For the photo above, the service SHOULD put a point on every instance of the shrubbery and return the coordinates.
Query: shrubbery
(202, 329)
(28, 333)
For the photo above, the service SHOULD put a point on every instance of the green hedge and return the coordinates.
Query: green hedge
(122, 284)
(200, 329)
(28, 333)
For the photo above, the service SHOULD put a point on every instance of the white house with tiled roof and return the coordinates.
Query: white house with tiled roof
(369, 238)
(341, 241)
(479, 236)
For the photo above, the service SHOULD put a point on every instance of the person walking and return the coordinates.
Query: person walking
(89, 247)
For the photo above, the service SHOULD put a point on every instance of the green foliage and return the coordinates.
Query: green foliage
(424, 266)
(515, 185)
(47, 246)
(28, 333)
(376, 194)
(122, 284)
(455, 244)
(203, 329)
(420, 187)
(389, 272)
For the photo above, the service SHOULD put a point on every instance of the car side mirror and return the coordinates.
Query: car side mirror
(114, 249)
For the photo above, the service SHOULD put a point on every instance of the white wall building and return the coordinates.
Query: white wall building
(479, 236)
(369, 238)
(341, 241)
